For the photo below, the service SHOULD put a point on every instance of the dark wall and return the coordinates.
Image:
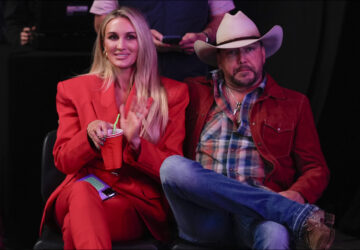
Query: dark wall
(339, 127)
(30, 113)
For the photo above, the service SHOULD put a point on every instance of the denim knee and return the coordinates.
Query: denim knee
(271, 235)
(178, 170)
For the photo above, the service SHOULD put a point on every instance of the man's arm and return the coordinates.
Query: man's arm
(100, 8)
(309, 159)
(97, 21)
(209, 33)
(217, 12)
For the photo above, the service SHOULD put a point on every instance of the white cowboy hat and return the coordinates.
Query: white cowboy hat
(236, 31)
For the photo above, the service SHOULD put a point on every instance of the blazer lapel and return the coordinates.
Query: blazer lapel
(104, 104)
(131, 98)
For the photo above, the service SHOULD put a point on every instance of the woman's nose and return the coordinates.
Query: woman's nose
(120, 44)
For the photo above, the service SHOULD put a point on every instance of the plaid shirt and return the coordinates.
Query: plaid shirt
(226, 147)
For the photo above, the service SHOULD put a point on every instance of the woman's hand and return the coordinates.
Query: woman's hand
(131, 124)
(97, 132)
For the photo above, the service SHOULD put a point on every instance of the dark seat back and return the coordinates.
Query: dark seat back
(51, 177)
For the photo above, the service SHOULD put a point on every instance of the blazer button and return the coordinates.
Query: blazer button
(115, 173)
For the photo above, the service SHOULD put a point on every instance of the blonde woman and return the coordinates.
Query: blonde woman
(123, 79)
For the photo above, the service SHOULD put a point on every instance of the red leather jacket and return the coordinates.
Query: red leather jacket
(283, 129)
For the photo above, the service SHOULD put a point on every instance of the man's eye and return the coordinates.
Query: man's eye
(231, 52)
(250, 49)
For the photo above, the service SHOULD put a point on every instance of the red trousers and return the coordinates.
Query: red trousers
(87, 222)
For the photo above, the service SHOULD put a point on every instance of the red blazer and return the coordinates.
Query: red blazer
(80, 101)
(282, 127)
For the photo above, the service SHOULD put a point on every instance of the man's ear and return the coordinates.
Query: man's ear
(263, 53)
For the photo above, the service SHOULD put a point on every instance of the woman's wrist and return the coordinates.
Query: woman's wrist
(135, 144)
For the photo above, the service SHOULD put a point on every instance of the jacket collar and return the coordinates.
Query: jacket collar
(272, 89)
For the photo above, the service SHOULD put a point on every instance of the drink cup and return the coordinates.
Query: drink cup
(111, 152)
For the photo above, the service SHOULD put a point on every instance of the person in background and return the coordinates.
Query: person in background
(191, 20)
(1, 235)
(2, 25)
(123, 79)
(254, 165)
(20, 21)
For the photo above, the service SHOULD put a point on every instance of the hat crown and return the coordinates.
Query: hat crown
(235, 27)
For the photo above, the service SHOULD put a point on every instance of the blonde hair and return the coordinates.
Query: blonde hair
(145, 77)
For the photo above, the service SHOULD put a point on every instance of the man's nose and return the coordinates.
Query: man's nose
(241, 56)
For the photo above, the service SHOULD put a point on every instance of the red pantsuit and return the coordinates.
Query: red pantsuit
(86, 220)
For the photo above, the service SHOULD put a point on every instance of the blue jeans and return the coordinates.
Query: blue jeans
(211, 208)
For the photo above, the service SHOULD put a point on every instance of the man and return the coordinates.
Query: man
(258, 164)
(20, 18)
(191, 20)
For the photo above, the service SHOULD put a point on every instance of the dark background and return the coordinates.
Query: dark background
(318, 57)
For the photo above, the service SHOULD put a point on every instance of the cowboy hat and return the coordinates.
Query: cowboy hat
(236, 31)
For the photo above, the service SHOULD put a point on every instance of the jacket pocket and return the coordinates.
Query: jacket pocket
(278, 137)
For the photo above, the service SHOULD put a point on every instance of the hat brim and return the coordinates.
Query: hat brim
(271, 41)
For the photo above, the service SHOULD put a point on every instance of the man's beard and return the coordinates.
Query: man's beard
(246, 82)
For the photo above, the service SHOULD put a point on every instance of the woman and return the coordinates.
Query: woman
(122, 79)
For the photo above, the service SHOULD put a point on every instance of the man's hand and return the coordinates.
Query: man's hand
(27, 35)
(293, 195)
(188, 40)
(160, 46)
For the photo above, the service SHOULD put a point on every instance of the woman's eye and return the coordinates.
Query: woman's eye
(131, 37)
(112, 37)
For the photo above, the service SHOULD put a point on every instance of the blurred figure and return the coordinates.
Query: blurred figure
(1, 235)
(2, 25)
(191, 20)
(20, 21)
(123, 79)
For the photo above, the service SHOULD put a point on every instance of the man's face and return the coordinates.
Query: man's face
(242, 67)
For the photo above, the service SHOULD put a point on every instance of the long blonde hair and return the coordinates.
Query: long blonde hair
(146, 76)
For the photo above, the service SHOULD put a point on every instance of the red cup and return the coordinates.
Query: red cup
(111, 152)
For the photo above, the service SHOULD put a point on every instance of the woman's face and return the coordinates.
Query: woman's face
(120, 43)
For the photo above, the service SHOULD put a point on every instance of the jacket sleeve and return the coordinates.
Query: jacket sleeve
(314, 173)
(72, 149)
(151, 156)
